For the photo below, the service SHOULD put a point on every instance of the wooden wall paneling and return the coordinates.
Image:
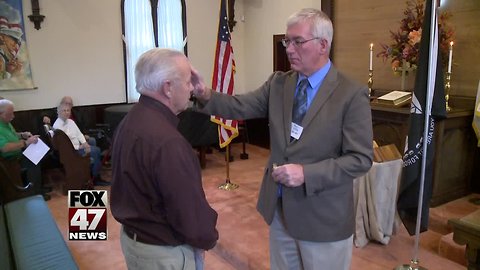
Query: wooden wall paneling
(454, 148)
(454, 158)
(280, 59)
(359, 23)
(466, 56)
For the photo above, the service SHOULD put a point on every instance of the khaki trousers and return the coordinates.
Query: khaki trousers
(145, 256)
(287, 253)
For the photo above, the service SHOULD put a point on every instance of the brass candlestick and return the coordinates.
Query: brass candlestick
(370, 81)
(447, 91)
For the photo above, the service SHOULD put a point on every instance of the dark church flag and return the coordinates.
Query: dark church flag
(429, 60)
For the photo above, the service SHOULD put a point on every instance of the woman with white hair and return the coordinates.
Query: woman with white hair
(79, 142)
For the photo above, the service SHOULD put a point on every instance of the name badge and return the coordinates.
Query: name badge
(296, 131)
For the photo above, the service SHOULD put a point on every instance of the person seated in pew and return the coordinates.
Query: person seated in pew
(67, 100)
(79, 142)
(12, 143)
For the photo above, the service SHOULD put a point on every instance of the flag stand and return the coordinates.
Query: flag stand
(412, 266)
(228, 185)
(414, 263)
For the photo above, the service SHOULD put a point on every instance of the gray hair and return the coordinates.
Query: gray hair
(64, 100)
(320, 24)
(154, 67)
(61, 106)
(4, 103)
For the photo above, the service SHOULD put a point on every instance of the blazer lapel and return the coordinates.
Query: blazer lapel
(324, 92)
(288, 94)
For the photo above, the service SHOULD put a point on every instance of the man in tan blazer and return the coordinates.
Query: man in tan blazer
(307, 191)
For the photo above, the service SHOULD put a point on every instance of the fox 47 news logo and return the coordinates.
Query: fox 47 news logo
(87, 215)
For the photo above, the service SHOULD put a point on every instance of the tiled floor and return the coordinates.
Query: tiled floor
(243, 242)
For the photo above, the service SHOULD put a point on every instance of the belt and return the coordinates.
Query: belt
(145, 239)
(134, 236)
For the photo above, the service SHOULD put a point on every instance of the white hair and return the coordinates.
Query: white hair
(4, 104)
(61, 106)
(154, 67)
(320, 24)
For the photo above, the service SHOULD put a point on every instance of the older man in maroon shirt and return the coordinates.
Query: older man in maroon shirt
(157, 192)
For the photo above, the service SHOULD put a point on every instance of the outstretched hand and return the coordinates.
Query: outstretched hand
(200, 91)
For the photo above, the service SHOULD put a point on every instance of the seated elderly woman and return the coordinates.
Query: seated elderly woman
(12, 143)
(47, 117)
(79, 142)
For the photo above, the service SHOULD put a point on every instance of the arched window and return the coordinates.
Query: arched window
(148, 24)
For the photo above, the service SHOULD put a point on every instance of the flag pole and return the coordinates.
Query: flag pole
(222, 82)
(414, 263)
(228, 185)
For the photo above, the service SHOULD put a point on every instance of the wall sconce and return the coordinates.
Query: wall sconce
(36, 17)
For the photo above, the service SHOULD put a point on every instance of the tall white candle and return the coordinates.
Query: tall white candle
(371, 56)
(450, 57)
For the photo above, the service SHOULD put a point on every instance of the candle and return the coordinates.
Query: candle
(450, 57)
(371, 56)
(35, 5)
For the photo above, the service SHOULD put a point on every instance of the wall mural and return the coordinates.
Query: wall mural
(15, 72)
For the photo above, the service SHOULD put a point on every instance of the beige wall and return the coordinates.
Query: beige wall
(202, 25)
(257, 22)
(359, 23)
(78, 50)
(263, 19)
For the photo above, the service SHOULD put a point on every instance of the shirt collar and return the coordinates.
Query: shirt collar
(158, 106)
(317, 77)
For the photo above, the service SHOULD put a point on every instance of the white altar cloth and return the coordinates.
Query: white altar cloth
(375, 196)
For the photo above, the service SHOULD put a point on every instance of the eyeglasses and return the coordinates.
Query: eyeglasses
(296, 43)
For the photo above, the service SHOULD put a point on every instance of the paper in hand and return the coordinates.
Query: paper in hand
(36, 151)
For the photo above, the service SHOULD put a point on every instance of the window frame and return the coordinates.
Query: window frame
(154, 6)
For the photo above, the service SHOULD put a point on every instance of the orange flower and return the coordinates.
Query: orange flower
(405, 45)
(395, 64)
(415, 36)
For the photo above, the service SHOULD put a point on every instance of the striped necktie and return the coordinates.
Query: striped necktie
(300, 102)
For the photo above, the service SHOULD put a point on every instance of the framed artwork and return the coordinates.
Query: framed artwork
(15, 71)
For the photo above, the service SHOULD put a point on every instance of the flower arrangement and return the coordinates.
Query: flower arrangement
(404, 50)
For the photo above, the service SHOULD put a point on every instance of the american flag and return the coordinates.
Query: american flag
(222, 81)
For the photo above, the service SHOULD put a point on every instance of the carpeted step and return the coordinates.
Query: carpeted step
(447, 248)
(439, 216)
(438, 223)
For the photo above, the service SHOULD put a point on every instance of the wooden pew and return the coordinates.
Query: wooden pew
(11, 182)
(76, 167)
